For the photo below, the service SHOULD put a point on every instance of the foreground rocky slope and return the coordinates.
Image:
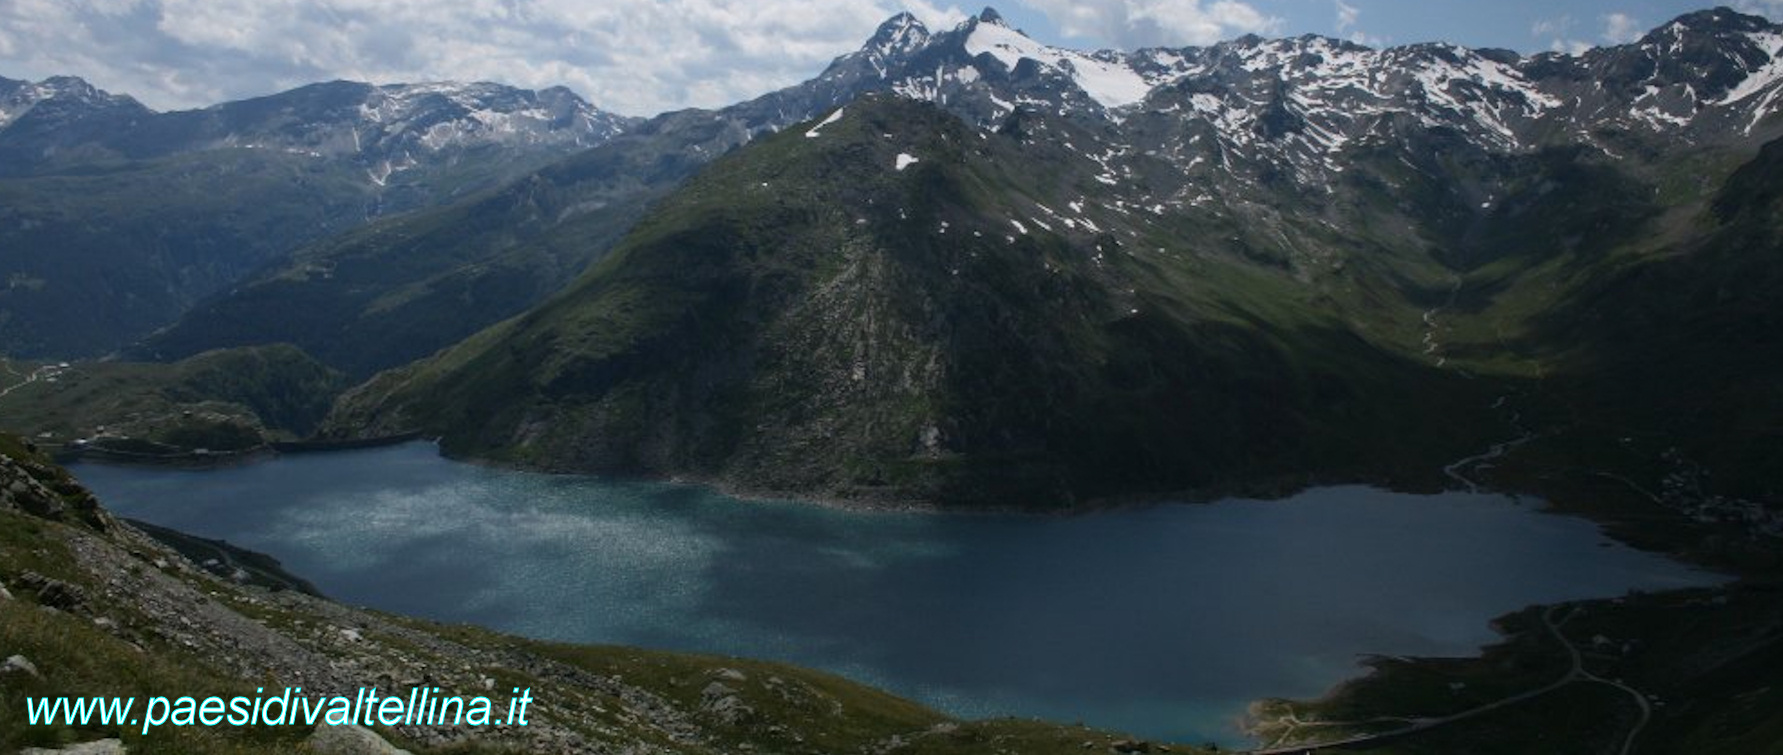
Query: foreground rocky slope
(91, 606)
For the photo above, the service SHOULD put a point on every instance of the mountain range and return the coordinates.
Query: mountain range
(1217, 133)
(963, 266)
(118, 219)
(1003, 272)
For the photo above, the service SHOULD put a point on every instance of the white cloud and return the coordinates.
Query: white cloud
(1347, 18)
(935, 17)
(1569, 46)
(1621, 28)
(635, 58)
(1132, 24)
(1551, 26)
(1772, 9)
(1346, 15)
(1557, 30)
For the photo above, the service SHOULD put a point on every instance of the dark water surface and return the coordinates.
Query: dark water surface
(1164, 621)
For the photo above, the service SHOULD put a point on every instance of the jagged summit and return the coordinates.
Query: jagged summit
(1684, 76)
(1720, 18)
(899, 33)
(897, 24)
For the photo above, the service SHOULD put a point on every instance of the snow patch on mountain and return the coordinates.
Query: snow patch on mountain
(1764, 76)
(817, 130)
(1111, 83)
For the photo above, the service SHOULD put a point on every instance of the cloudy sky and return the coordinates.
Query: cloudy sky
(640, 58)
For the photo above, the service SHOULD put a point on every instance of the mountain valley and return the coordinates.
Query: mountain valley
(959, 272)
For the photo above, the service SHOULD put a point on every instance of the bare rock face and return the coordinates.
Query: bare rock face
(41, 491)
(21, 492)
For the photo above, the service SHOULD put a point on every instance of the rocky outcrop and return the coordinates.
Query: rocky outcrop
(42, 490)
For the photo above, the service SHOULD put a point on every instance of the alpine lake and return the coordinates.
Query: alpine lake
(1164, 620)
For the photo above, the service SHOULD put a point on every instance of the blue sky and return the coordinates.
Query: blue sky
(641, 58)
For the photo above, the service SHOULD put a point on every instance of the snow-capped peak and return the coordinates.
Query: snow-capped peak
(19, 97)
(1107, 79)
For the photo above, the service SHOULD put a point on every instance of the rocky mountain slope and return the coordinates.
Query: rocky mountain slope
(870, 307)
(1268, 261)
(117, 218)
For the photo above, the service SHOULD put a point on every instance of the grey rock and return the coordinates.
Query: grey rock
(18, 664)
(351, 739)
(722, 702)
(53, 593)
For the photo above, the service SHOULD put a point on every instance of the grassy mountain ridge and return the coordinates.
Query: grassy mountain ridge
(993, 323)
(806, 316)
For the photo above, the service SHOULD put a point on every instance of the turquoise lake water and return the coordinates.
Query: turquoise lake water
(1165, 620)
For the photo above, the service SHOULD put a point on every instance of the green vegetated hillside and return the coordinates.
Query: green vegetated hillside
(91, 606)
(401, 289)
(805, 316)
(99, 256)
(1673, 349)
(227, 400)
